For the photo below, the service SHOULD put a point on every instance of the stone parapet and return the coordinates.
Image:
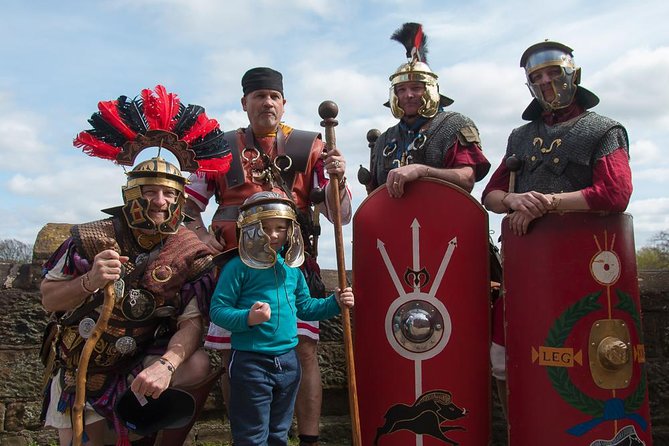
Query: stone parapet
(22, 321)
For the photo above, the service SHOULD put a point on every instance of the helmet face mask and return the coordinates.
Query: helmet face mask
(564, 86)
(254, 244)
(136, 209)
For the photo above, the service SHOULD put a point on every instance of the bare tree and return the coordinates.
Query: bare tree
(12, 250)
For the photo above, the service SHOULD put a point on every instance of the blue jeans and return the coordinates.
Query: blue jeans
(262, 397)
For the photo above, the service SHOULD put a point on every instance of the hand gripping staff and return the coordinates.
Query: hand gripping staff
(82, 368)
(328, 111)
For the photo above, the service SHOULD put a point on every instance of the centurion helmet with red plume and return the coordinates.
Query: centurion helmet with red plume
(122, 128)
(411, 36)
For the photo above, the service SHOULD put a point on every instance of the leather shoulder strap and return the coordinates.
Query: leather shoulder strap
(235, 176)
(298, 148)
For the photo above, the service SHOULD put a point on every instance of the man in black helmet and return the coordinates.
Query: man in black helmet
(569, 158)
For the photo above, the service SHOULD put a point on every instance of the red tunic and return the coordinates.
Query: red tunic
(201, 189)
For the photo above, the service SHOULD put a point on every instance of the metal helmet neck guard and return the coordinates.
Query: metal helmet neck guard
(552, 54)
(254, 244)
(124, 127)
(153, 172)
(415, 70)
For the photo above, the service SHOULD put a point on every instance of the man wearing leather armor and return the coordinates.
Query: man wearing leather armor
(161, 276)
(270, 155)
(428, 141)
(567, 157)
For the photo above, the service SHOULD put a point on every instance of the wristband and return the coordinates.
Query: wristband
(83, 281)
(504, 198)
(342, 183)
(166, 362)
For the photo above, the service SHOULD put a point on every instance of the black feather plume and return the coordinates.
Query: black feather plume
(132, 113)
(104, 131)
(415, 42)
(211, 145)
(186, 118)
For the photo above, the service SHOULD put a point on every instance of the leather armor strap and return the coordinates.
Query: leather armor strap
(235, 176)
(298, 148)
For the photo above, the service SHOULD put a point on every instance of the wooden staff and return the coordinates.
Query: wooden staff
(513, 164)
(82, 368)
(328, 111)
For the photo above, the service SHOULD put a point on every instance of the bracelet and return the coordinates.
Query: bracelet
(166, 362)
(342, 183)
(427, 172)
(504, 198)
(83, 281)
(555, 202)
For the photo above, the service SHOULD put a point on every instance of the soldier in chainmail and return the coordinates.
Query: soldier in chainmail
(427, 141)
(565, 158)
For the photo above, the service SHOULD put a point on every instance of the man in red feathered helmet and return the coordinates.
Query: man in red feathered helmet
(269, 155)
(146, 339)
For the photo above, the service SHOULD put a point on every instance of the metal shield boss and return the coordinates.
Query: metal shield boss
(422, 317)
(575, 355)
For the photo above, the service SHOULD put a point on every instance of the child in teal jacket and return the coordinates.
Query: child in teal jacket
(259, 296)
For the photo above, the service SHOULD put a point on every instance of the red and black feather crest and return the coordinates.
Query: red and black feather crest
(414, 40)
(116, 123)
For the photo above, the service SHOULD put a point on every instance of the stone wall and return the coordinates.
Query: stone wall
(22, 321)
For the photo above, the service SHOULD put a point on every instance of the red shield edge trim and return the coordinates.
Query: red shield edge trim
(422, 316)
(570, 275)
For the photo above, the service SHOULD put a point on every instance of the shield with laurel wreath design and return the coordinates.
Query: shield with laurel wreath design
(575, 353)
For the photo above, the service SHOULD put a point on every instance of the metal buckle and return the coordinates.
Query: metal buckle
(280, 159)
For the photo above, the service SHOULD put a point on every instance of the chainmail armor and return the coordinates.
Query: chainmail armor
(440, 135)
(561, 158)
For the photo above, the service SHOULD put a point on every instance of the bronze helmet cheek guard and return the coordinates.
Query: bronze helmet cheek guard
(153, 172)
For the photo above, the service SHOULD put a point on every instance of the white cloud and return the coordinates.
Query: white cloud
(631, 85)
(645, 152)
(20, 143)
(651, 216)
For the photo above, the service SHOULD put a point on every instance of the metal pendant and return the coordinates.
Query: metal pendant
(125, 345)
(86, 327)
(138, 305)
(119, 289)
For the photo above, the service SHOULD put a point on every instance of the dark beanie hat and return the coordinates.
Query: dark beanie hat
(262, 78)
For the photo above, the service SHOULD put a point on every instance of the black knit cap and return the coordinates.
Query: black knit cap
(262, 78)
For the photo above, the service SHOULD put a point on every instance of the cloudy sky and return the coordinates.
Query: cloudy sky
(58, 59)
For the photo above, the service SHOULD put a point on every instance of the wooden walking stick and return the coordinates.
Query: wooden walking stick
(328, 111)
(82, 369)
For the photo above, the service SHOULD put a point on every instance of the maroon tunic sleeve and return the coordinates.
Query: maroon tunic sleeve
(611, 183)
(498, 181)
(469, 155)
